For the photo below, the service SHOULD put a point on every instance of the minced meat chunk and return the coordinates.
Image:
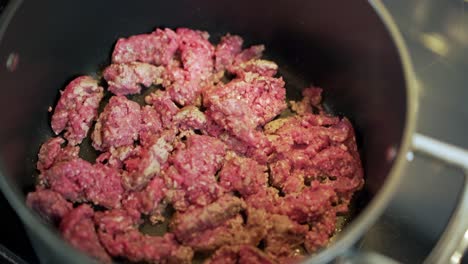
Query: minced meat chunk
(52, 152)
(226, 51)
(77, 108)
(50, 205)
(127, 78)
(164, 106)
(118, 125)
(118, 233)
(156, 48)
(77, 227)
(183, 225)
(242, 254)
(78, 180)
(243, 175)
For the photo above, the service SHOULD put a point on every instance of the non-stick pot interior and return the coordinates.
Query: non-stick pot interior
(343, 48)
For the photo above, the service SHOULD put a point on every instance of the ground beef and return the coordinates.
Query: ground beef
(164, 106)
(77, 108)
(213, 156)
(77, 227)
(226, 51)
(118, 233)
(50, 205)
(125, 78)
(149, 162)
(192, 174)
(184, 225)
(157, 47)
(243, 254)
(243, 175)
(52, 152)
(118, 125)
(78, 180)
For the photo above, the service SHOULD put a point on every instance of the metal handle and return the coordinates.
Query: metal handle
(454, 240)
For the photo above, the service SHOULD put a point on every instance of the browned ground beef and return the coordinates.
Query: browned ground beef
(246, 185)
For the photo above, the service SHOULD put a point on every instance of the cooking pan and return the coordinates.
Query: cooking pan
(350, 48)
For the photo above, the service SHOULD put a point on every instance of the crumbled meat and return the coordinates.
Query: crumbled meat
(77, 108)
(78, 180)
(285, 237)
(142, 168)
(147, 200)
(125, 78)
(118, 233)
(190, 117)
(51, 206)
(226, 51)
(183, 225)
(118, 125)
(243, 175)
(77, 227)
(243, 104)
(312, 98)
(215, 156)
(157, 47)
(115, 157)
(193, 172)
(261, 67)
(163, 104)
(254, 52)
(51, 152)
(242, 254)
(320, 232)
(151, 124)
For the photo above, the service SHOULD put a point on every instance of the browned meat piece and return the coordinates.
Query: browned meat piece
(77, 228)
(312, 98)
(51, 152)
(118, 233)
(285, 237)
(50, 205)
(321, 231)
(243, 254)
(126, 78)
(142, 168)
(226, 51)
(243, 175)
(309, 204)
(77, 108)
(197, 219)
(118, 125)
(77, 180)
(157, 47)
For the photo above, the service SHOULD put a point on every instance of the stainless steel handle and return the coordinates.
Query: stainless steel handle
(454, 240)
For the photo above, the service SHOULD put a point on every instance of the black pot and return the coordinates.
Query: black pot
(353, 50)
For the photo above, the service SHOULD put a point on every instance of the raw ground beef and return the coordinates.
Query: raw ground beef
(213, 156)
(77, 108)
(125, 78)
(118, 125)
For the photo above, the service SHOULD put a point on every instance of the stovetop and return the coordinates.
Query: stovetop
(436, 33)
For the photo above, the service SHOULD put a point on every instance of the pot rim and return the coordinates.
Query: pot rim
(345, 239)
